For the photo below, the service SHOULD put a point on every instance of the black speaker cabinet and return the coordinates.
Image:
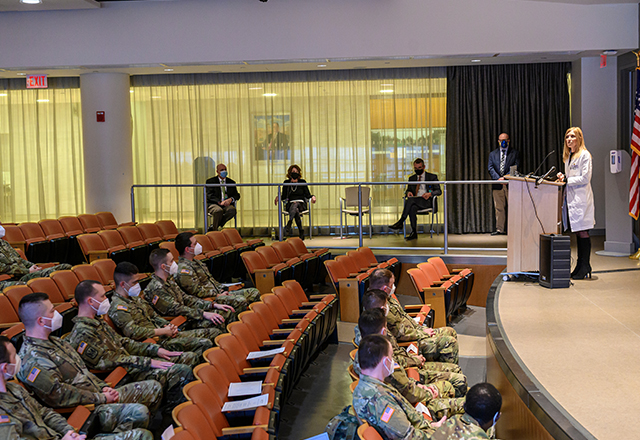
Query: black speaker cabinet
(555, 261)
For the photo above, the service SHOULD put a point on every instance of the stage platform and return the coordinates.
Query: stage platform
(566, 359)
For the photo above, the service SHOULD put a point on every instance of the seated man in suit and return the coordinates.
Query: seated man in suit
(500, 161)
(221, 200)
(419, 197)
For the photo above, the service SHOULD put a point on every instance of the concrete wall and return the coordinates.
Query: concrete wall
(190, 31)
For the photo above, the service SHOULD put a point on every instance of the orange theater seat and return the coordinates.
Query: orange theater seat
(108, 221)
(90, 223)
(38, 248)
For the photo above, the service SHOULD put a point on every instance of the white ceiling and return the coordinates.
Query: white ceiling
(48, 5)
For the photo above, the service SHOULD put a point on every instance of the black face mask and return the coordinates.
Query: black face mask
(418, 171)
(295, 176)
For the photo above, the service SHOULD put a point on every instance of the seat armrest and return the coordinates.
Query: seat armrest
(242, 429)
(413, 306)
(256, 370)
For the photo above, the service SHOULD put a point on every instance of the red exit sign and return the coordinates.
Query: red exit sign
(37, 82)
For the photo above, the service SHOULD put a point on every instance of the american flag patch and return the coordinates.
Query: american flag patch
(187, 271)
(4, 418)
(34, 374)
(387, 413)
(82, 347)
(155, 300)
(125, 308)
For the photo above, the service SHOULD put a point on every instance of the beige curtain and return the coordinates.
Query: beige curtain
(40, 153)
(336, 131)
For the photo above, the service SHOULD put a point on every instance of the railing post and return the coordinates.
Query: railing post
(446, 226)
(133, 205)
(206, 217)
(359, 214)
(279, 213)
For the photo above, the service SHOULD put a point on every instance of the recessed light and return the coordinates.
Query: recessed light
(255, 88)
(269, 94)
(386, 85)
(322, 65)
(156, 97)
(386, 91)
(21, 74)
(168, 70)
(31, 2)
(475, 61)
(3, 94)
(130, 91)
(42, 100)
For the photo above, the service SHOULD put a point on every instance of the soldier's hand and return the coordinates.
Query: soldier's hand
(213, 317)
(224, 307)
(439, 423)
(433, 390)
(164, 331)
(33, 268)
(162, 365)
(166, 354)
(421, 359)
(72, 435)
(429, 331)
(112, 395)
(174, 330)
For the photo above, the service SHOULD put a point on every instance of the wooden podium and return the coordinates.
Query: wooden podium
(525, 200)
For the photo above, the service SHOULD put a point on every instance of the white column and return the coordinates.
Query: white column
(107, 145)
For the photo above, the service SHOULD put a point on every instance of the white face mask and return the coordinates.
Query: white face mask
(134, 290)
(8, 375)
(393, 289)
(56, 321)
(197, 250)
(385, 309)
(388, 368)
(103, 308)
(173, 270)
(2, 232)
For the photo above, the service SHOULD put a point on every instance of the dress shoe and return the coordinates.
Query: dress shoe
(412, 236)
(397, 225)
(498, 233)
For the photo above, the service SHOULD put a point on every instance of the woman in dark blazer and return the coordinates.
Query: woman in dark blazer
(295, 197)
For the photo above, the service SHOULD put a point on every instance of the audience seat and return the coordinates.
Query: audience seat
(118, 251)
(59, 241)
(455, 283)
(168, 229)
(16, 293)
(151, 233)
(89, 272)
(15, 334)
(435, 296)
(93, 247)
(349, 289)
(66, 280)
(367, 432)
(134, 241)
(272, 259)
(108, 221)
(219, 358)
(262, 276)
(234, 237)
(90, 223)
(71, 225)
(14, 236)
(323, 255)
(466, 274)
(38, 248)
(394, 264)
(8, 314)
(48, 286)
(106, 268)
(215, 258)
(230, 254)
(309, 262)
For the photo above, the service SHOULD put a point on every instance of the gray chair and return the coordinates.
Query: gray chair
(307, 211)
(349, 206)
(433, 211)
(235, 217)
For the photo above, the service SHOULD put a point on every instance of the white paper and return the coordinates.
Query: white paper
(416, 319)
(240, 405)
(323, 436)
(230, 284)
(245, 388)
(264, 354)
(168, 433)
(412, 349)
(424, 410)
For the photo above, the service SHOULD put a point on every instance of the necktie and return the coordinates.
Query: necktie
(503, 160)
(224, 192)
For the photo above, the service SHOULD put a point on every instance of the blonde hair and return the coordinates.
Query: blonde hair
(566, 154)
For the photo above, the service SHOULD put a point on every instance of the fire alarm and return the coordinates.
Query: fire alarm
(99, 116)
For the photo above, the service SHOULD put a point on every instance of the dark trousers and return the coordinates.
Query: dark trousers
(295, 208)
(411, 207)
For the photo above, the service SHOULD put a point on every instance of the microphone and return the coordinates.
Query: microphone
(541, 163)
(540, 179)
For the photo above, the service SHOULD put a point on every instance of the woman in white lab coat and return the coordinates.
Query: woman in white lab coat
(577, 210)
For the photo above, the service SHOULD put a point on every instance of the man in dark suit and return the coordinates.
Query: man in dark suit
(276, 144)
(500, 160)
(222, 199)
(419, 196)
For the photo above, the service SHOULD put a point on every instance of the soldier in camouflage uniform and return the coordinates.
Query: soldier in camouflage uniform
(21, 270)
(137, 320)
(195, 279)
(168, 299)
(482, 411)
(22, 417)
(381, 405)
(438, 396)
(439, 344)
(102, 348)
(55, 372)
(429, 371)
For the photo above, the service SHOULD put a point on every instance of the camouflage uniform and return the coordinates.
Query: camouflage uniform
(137, 320)
(430, 372)
(445, 404)
(55, 372)
(442, 346)
(103, 349)
(168, 299)
(195, 279)
(462, 427)
(12, 264)
(22, 417)
(388, 412)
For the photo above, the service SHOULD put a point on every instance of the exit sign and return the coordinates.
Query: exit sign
(37, 82)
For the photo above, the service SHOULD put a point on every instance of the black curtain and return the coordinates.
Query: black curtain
(530, 102)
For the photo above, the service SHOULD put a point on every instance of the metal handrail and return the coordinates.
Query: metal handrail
(444, 184)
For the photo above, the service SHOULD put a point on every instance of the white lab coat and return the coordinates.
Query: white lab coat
(578, 206)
